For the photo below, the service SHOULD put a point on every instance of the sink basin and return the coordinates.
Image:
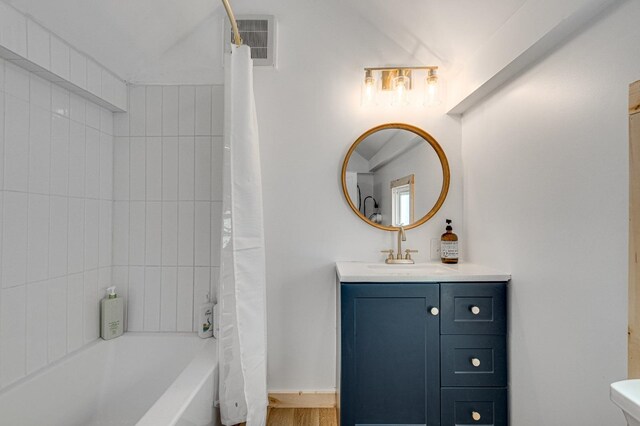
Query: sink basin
(626, 395)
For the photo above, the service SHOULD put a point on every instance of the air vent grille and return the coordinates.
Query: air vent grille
(257, 32)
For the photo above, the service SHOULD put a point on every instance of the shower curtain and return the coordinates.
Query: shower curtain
(241, 298)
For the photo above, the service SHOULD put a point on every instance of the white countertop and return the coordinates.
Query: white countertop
(353, 272)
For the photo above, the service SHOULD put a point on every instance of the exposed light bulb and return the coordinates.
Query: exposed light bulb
(431, 89)
(401, 90)
(369, 90)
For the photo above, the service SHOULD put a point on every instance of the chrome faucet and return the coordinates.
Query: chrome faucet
(400, 258)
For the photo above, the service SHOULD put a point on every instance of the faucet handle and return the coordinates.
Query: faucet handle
(390, 256)
(408, 253)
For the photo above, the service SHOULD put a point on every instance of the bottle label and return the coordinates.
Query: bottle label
(449, 249)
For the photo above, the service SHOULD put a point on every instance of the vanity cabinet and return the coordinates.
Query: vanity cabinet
(423, 354)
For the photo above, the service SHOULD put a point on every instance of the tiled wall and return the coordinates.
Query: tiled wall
(56, 186)
(168, 191)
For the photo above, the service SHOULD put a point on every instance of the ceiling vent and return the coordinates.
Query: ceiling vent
(257, 32)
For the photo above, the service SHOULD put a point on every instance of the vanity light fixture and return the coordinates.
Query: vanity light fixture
(396, 84)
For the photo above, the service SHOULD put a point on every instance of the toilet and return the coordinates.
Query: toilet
(626, 395)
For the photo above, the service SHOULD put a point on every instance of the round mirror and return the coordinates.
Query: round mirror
(395, 175)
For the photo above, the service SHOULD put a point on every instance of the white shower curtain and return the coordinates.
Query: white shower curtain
(242, 304)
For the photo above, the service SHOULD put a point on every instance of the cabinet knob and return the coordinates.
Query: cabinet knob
(475, 310)
(434, 311)
(476, 416)
(475, 362)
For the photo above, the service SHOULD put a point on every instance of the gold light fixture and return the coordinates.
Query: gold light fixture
(397, 84)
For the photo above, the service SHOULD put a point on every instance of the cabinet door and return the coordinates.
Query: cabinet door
(390, 354)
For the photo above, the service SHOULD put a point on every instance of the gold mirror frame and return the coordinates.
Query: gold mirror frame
(446, 173)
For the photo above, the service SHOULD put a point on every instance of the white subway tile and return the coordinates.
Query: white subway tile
(121, 95)
(38, 238)
(120, 279)
(170, 168)
(38, 45)
(169, 233)
(16, 81)
(77, 148)
(203, 168)
(76, 236)
(137, 228)
(90, 306)
(215, 284)
(1, 238)
(184, 320)
(1, 135)
(91, 233)
(78, 71)
(13, 30)
(186, 112)
(137, 173)
(186, 168)
(201, 288)
(106, 166)
(75, 314)
(121, 233)
(106, 121)
(137, 107)
(14, 239)
(217, 153)
(108, 86)
(203, 110)
(60, 100)
(154, 111)
(59, 180)
(135, 304)
(60, 63)
(185, 233)
(153, 250)
(94, 78)
(168, 299)
(121, 169)
(36, 326)
(77, 108)
(58, 234)
(202, 233)
(16, 145)
(92, 115)
(217, 113)
(153, 166)
(39, 92)
(92, 164)
(216, 230)
(105, 239)
(56, 319)
(152, 278)
(170, 107)
(121, 124)
(39, 150)
(13, 327)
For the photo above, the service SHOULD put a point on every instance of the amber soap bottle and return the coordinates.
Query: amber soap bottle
(449, 245)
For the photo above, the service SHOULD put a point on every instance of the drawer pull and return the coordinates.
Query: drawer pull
(475, 310)
(434, 311)
(475, 362)
(476, 416)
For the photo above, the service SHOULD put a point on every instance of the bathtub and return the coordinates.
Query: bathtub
(144, 379)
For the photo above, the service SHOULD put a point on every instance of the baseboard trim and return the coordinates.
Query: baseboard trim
(302, 399)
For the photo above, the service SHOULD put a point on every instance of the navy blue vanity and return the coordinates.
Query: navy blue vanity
(422, 353)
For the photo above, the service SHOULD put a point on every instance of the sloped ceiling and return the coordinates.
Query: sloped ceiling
(132, 36)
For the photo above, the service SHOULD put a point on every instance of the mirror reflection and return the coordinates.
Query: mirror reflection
(394, 177)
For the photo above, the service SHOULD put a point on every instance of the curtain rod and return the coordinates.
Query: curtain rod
(234, 24)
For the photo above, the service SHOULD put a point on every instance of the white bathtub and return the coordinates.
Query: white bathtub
(140, 379)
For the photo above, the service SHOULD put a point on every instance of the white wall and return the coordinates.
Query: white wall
(167, 187)
(546, 198)
(56, 152)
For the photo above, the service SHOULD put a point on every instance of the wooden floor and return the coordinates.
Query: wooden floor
(302, 417)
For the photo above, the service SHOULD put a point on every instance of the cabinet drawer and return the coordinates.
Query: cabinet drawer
(474, 406)
(473, 360)
(472, 308)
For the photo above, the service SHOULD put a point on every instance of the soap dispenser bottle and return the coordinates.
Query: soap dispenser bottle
(111, 315)
(205, 319)
(449, 245)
